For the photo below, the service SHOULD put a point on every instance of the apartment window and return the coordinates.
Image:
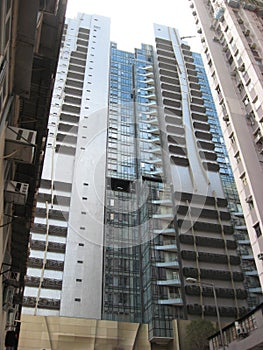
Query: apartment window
(78, 280)
(238, 159)
(257, 230)
(244, 179)
(77, 299)
(232, 139)
(81, 244)
(80, 261)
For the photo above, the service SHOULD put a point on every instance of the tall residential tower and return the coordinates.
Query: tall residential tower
(231, 34)
(131, 202)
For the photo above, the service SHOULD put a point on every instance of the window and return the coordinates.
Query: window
(244, 179)
(238, 159)
(78, 280)
(257, 230)
(80, 261)
(77, 299)
(81, 244)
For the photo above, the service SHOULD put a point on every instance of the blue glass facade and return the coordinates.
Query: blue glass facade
(139, 225)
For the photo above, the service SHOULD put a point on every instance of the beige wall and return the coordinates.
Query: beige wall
(66, 333)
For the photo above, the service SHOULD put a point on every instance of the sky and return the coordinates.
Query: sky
(132, 21)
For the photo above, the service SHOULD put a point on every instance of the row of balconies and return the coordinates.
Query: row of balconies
(227, 311)
(78, 63)
(82, 41)
(69, 118)
(173, 120)
(165, 45)
(166, 54)
(208, 241)
(74, 83)
(52, 230)
(57, 199)
(43, 303)
(203, 212)
(195, 198)
(164, 42)
(210, 257)
(55, 265)
(82, 49)
(207, 227)
(68, 128)
(52, 214)
(48, 283)
(181, 161)
(53, 247)
(212, 274)
(75, 76)
(76, 68)
(176, 140)
(220, 292)
(66, 139)
(78, 55)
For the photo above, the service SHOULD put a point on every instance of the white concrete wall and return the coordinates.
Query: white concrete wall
(199, 181)
(89, 168)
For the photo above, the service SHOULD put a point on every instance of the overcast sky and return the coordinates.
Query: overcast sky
(132, 21)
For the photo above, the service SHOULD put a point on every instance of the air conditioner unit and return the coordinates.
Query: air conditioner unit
(16, 192)
(20, 144)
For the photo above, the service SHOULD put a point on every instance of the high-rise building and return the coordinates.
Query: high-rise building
(131, 202)
(251, 280)
(28, 61)
(231, 34)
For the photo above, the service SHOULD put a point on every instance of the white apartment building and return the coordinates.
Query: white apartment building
(231, 32)
(75, 155)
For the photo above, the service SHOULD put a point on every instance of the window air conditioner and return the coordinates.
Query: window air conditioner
(20, 144)
(16, 192)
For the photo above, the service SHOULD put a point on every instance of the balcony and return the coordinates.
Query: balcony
(165, 231)
(149, 81)
(182, 161)
(172, 282)
(167, 247)
(175, 301)
(166, 216)
(255, 290)
(168, 264)
(167, 202)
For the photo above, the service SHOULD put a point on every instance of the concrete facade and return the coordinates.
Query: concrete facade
(231, 34)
